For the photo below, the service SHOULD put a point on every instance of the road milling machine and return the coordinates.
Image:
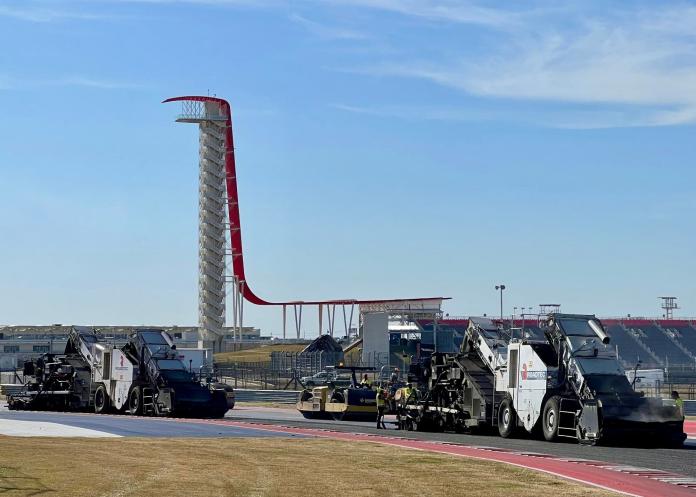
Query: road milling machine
(567, 384)
(144, 377)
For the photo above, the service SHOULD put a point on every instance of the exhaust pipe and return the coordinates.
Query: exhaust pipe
(599, 331)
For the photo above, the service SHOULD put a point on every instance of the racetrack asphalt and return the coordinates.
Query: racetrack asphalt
(681, 461)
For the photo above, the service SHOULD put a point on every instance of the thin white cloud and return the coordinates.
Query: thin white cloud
(597, 118)
(9, 83)
(327, 32)
(102, 84)
(414, 113)
(239, 3)
(36, 13)
(456, 11)
(639, 58)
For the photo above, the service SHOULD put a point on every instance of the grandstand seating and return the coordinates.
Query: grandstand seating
(685, 334)
(629, 349)
(665, 350)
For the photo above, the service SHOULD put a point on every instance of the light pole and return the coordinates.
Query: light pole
(501, 288)
(523, 308)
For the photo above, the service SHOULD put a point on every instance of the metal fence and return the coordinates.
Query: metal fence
(285, 369)
(313, 362)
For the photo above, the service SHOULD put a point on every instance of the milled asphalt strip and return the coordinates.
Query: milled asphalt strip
(19, 428)
(126, 426)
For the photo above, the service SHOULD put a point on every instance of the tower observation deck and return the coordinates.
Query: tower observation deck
(217, 189)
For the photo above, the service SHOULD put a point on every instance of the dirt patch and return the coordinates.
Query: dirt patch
(256, 467)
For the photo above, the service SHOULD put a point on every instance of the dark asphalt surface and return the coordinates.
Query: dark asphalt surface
(681, 461)
(128, 426)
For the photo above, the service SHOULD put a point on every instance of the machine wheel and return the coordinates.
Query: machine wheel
(135, 405)
(338, 416)
(551, 418)
(101, 400)
(507, 418)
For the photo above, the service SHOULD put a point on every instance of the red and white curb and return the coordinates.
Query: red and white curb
(690, 429)
(628, 480)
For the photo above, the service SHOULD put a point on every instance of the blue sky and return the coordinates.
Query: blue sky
(385, 148)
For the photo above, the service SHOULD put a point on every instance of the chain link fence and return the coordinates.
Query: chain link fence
(285, 369)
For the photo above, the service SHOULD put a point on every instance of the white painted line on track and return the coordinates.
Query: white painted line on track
(16, 428)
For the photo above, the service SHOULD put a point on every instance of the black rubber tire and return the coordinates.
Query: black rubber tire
(135, 404)
(440, 423)
(550, 418)
(101, 400)
(507, 419)
(338, 415)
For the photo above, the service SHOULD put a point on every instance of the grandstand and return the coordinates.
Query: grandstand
(630, 349)
(660, 348)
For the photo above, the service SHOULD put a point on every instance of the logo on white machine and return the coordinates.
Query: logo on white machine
(532, 375)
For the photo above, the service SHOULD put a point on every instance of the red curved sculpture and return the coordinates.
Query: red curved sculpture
(235, 223)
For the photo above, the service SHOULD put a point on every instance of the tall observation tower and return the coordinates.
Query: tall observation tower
(211, 118)
(219, 210)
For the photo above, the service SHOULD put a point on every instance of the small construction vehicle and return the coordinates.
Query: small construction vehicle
(568, 385)
(352, 403)
(144, 377)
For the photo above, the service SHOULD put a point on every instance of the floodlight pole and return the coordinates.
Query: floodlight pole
(501, 288)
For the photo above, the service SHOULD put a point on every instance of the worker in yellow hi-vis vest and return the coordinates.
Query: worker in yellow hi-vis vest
(679, 401)
(381, 402)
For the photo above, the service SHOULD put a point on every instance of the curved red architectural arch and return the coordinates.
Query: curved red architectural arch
(236, 227)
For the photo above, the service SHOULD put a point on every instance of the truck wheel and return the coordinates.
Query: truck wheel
(135, 406)
(551, 418)
(101, 400)
(507, 419)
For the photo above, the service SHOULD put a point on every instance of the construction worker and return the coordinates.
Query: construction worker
(408, 394)
(679, 401)
(381, 397)
(403, 395)
(395, 375)
(364, 383)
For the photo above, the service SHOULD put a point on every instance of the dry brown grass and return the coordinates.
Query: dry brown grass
(258, 354)
(269, 467)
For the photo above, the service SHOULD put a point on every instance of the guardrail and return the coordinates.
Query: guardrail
(276, 396)
(10, 389)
